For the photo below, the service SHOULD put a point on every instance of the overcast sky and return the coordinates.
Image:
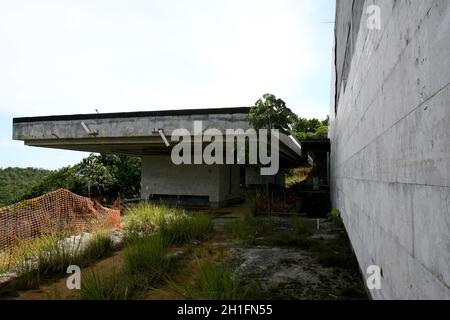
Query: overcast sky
(64, 57)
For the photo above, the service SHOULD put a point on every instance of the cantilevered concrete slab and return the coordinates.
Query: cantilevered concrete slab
(137, 133)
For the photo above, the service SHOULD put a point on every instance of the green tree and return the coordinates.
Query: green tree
(305, 129)
(95, 174)
(126, 171)
(269, 113)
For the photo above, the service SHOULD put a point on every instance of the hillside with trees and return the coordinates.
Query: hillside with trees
(17, 181)
(107, 176)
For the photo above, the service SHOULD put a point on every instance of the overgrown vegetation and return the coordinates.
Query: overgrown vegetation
(152, 231)
(107, 285)
(24, 250)
(296, 176)
(249, 228)
(267, 231)
(146, 259)
(37, 260)
(174, 224)
(215, 280)
(301, 227)
(150, 257)
(59, 255)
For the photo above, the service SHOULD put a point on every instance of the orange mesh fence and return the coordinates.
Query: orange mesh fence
(55, 212)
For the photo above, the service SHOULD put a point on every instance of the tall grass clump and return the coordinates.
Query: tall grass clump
(146, 259)
(50, 255)
(99, 246)
(174, 224)
(18, 258)
(106, 285)
(59, 255)
(183, 228)
(217, 282)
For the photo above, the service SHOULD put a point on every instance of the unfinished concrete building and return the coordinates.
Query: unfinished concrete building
(138, 133)
(390, 141)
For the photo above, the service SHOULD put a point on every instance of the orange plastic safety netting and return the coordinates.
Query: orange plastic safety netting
(55, 212)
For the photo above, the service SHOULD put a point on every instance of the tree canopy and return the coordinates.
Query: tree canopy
(269, 113)
(305, 129)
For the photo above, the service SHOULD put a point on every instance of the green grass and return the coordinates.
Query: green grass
(184, 228)
(250, 228)
(14, 260)
(215, 281)
(301, 227)
(44, 259)
(240, 230)
(106, 285)
(174, 224)
(151, 231)
(57, 257)
(146, 260)
(98, 247)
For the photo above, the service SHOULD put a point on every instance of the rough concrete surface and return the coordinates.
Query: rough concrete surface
(390, 144)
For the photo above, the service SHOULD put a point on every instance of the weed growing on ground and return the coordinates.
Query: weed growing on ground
(146, 259)
(335, 216)
(59, 255)
(250, 228)
(106, 285)
(215, 281)
(301, 227)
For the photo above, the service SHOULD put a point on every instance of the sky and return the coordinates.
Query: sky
(66, 57)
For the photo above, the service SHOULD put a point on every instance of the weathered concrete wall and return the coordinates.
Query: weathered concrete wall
(218, 182)
(390, 141)
(124, 127)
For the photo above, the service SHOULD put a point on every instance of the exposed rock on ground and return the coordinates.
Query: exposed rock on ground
(286, 273)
